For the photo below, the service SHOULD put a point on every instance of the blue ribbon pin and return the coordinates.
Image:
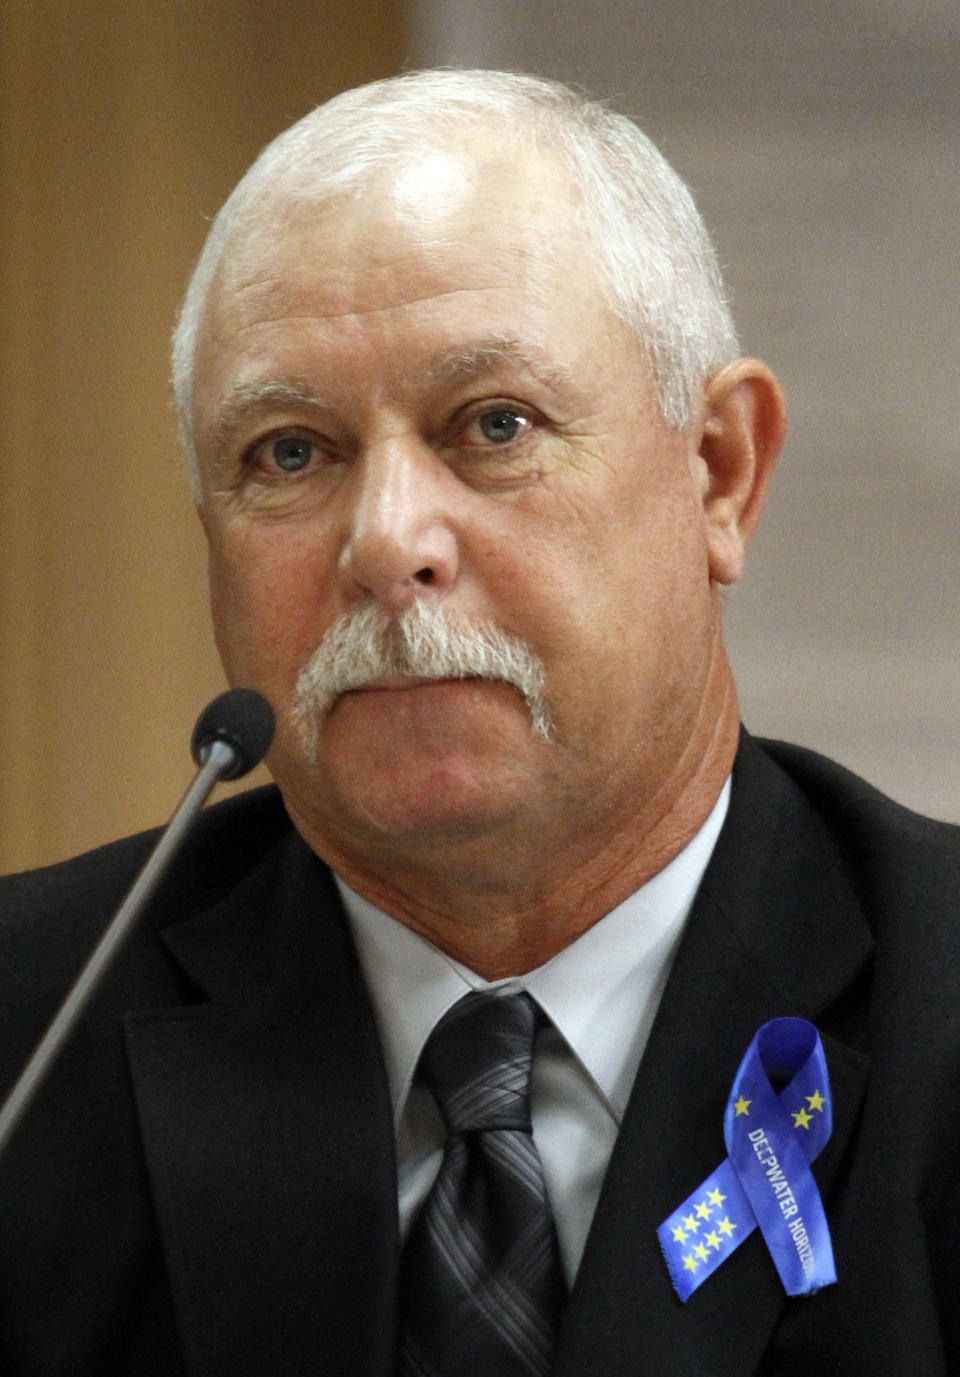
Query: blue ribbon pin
(772, 1136)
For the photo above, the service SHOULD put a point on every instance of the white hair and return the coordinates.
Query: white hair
(655, 261)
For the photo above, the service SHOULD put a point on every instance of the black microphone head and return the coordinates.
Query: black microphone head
(244, 720)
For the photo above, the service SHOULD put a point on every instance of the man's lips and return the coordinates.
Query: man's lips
(404, 682)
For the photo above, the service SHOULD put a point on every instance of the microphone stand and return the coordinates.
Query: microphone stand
(219, 759)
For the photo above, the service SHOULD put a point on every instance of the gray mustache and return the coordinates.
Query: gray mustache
(366, 644)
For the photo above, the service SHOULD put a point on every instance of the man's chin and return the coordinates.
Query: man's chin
(379, 813)
(416, 762)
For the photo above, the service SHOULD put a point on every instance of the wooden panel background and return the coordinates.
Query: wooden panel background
(122, 127)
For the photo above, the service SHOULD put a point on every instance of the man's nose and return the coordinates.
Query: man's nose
(401, 539)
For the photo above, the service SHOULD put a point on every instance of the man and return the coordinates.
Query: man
(475, 456)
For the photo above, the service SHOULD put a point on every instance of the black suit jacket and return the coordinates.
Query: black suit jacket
(207, 1183)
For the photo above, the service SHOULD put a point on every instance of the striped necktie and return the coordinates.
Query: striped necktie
(481, 1284)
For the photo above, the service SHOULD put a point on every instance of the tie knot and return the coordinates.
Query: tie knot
(477, 1062)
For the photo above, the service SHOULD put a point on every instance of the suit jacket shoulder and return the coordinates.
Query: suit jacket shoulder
(206, 1182)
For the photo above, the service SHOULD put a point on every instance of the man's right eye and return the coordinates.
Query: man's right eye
(283, 453)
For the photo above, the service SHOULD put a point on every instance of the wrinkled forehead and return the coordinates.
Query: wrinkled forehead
(440, 251)
(494, 196)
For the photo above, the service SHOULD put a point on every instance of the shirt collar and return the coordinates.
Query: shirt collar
(601, 992)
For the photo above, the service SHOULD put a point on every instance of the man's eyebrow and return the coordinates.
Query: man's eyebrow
(483, 356)
(475, 359)
(246, 399)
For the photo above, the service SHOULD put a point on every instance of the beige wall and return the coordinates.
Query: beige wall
(821, 141)
(122, 127)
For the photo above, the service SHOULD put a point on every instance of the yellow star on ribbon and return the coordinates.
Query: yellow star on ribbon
(726, 1227)
(802, 1119)
(703, 1210)
(743, 1106)
(690, 1262)
(713, 1238)
(701, 1252)
(716, 1197)
(691, 1224)
(816, 1101)
(679, 1234)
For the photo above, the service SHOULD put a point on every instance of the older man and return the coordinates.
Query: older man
(387, 1085)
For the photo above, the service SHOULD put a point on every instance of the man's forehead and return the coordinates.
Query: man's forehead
(488, 184)
(511, 287)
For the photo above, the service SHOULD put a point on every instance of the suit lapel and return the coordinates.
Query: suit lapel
(775, 930)
(268, 1136)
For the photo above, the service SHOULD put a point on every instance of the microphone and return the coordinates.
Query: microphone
(243, 720)
(232, 735)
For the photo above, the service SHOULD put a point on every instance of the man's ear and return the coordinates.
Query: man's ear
(744, 423)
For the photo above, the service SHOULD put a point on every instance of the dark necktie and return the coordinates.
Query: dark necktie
(481, 1283)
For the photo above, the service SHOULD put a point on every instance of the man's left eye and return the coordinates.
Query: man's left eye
(291, 453)
(501, 425)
